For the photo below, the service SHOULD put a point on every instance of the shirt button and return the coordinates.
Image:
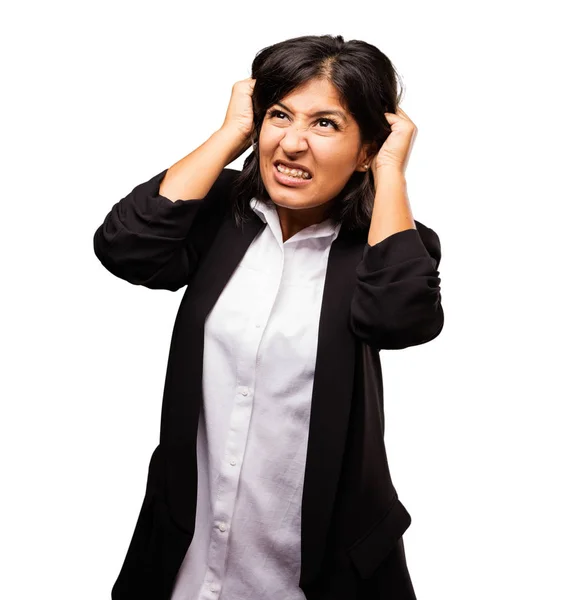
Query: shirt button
(222, 526)
(257, 325)
(244, 391)
(213, 588)
(233, 462)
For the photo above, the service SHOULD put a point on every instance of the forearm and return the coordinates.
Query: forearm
(193, 176)
(391, 208)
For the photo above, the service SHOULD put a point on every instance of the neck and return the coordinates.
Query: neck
(293, 221)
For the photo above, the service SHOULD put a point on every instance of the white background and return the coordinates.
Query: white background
(481, 425)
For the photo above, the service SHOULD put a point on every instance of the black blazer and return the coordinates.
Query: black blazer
(375, 297)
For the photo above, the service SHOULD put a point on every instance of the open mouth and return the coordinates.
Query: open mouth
(291, 177)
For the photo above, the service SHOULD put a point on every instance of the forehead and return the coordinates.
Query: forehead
(315, 97)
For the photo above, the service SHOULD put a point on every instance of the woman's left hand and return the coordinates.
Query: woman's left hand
(394, 154)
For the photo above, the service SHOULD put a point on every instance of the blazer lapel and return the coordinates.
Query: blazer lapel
(330, 403)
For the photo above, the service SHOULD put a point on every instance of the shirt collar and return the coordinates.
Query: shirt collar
(268, 214)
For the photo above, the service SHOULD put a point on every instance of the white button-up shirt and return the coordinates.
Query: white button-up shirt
(258, 367)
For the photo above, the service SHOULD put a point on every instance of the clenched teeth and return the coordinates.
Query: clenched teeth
(293, 172)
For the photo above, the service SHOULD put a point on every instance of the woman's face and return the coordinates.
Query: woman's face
(328, 145)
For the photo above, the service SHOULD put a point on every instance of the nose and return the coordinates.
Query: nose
(293, 141)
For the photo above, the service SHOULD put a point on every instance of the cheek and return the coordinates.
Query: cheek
(329, 152)
(269, 138)
(335, 159)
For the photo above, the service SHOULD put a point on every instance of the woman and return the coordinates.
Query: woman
(271, 478)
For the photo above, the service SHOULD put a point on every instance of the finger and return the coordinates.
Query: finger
(392, 117)
(402, 115)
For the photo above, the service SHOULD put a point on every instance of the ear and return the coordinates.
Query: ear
(368, 151)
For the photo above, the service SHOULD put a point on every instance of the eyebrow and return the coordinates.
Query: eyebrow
(319, 112)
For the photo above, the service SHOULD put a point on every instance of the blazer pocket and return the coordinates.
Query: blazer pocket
(372, 549)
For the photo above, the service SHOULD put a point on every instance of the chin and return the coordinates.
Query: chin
(287, 204)
(283, 202)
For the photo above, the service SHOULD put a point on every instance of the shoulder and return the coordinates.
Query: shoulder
(222, 188)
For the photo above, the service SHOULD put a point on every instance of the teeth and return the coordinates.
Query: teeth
(297, 173)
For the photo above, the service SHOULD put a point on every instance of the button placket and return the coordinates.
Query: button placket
(237, 439)
(247, 361)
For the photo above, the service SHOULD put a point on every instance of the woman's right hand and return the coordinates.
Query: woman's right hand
(239, 117)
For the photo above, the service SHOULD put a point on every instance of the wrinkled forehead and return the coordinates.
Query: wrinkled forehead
(313, 98)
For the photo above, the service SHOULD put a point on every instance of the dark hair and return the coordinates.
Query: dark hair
(366, 82)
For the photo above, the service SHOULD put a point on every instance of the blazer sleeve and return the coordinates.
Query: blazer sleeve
(146, 239)
(397, 299)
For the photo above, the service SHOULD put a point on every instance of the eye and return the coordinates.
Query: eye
(333, 123)
(275, 113)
